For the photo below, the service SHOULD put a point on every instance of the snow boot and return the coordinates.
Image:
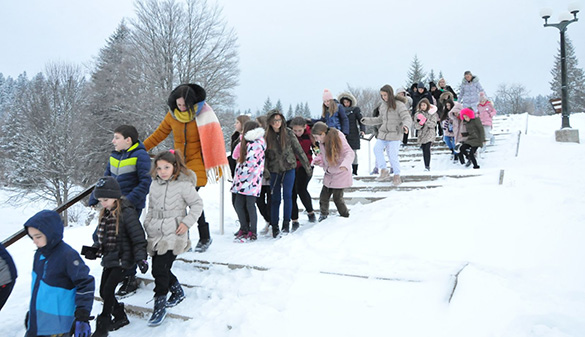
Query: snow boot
(204, 238)
(354, 168)
(312, 217)
(128, 288)
(102, 326)
(120, 317)
(275, 231)
(396, 180)
(177, 295)
(285, 227)
(384, 175)
(322, 217)
(160, 312)
(295, 226)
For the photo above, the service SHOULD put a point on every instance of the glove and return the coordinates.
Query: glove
(80, 327)
(89, 252)
(143, 266)
(421, 119)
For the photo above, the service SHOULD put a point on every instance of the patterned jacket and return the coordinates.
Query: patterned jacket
(279, 160)
(60, 280)
(167, 209)
(248, 175)
(131, 168)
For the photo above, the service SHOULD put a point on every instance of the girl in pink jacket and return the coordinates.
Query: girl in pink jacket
(335, 157)
(486, 112)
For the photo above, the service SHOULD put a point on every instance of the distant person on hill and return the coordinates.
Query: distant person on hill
(198, 135)
(129, 164)
(425, 121)
(469, 91)
(7, 275)
(356, 128)
(394, 121)
(475, 136)
(335, 157)
(62, 288)
(333, 113)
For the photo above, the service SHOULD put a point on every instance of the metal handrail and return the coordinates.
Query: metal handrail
(22, 233)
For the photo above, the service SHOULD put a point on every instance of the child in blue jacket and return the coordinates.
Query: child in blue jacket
(62, 289)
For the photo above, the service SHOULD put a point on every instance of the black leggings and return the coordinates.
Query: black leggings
(470, 155)
(300, 190)
(426, 148)
(246, 209)
(161, 270)
(110, 279)
(263, 202)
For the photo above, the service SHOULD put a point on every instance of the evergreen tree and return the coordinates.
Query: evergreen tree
(299, 110)
(307, 111)
(441, 75)
(278, 107)
(290, 114)
(432, 78)
(575, 78)
(267, 106)
(415, 73)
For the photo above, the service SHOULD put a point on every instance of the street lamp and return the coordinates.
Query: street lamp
(565, 19)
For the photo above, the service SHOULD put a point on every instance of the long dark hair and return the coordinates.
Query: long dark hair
(391, 100)
(174, 157)
(250, 125)
(271, 135)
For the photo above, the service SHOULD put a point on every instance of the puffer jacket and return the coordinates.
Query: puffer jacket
(167, 209)
(248, 175)
(354, 118)
(469, 92)
(334, 176)
(428, 129)
(130, 241)
(7, 267)
(61, 283)
(391, 121)
(486, 113)
(338, 120)
(475, 132)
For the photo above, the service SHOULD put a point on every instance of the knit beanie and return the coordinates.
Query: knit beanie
(107, 188)
(327, 95)
(482, 96)
(466, 112)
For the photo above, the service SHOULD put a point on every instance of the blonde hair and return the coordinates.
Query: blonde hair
(332, 141)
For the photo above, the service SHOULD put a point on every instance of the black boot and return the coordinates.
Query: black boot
(160, 312)
(204, 238)
(354, 168)
(295, 226)
(275, 230)
(102, 326)
(177, 295)
(128, 288)
(285, 227)
(120, 317)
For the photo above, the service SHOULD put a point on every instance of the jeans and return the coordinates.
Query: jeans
(449, 141)
(281, 183)
(392, 147)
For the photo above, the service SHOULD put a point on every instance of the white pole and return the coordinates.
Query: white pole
(221, 204)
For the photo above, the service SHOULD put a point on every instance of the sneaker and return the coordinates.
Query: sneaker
(251, 236)
(240, 236)
(203, 246)
(322, 217)
(128, 288)
(374, 171)
(427, 169)
(312, 217)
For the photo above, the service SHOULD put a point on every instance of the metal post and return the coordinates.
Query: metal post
(369, 157)
(564, 91)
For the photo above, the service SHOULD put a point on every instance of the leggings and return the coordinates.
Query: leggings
(300, 190)
(161, 270)
(110, 279)
(470, 155)
(426, 148)
(246, 209)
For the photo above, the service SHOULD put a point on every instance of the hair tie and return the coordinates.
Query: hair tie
(172, 151)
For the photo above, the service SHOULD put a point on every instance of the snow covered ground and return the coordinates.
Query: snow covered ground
(519, 247)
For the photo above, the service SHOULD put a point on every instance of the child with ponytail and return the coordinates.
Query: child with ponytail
(249, 155)
(120, 241)
(335, 157)
(167, 225)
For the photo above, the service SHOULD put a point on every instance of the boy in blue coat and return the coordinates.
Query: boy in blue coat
(62, 289)
(130, 165)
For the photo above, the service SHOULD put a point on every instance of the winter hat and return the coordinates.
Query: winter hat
(432, 84)
(327, 95)
(108, 188)
(420, 85)
(400, 90)
(466, 112)
(482, 96)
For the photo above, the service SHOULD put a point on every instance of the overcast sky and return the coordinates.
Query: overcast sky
(292, 50)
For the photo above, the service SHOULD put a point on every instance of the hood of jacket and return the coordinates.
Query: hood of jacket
(401, 98)
(349, 96)
(474, 79)
(254, 134)
(50, 224)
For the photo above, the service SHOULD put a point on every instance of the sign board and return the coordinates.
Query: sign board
(556, 104)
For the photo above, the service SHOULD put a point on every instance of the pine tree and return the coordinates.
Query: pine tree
(415, 73)
(278, 106)
(307, 111)
(299, 110)
(575, 78)
(290, 114)
(441, 74)
(267, 106)
(431, 77)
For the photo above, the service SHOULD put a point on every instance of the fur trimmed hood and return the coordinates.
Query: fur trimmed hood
(400, 98)
(254, 134)
(349, 96)
(474, 79)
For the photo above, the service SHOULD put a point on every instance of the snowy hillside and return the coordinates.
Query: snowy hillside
(389, 269)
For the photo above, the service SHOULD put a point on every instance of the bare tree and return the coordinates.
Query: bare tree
(45, 152)
(512, 99)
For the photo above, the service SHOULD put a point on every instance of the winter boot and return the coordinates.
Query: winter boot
(204, 238)
(396, 180)
(285, 227)
(102, 326)
(275, 230)
(177, 295)
(160, 312)
(374, 171)
(384, 175)
(312, 217)
(128, 288)
(354, 168)
(120, 318)
(322, 217)
(295, 226)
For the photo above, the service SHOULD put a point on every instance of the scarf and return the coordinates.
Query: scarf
(107, 233)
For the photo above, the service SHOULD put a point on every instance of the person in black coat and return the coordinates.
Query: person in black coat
(354, 116)
(121, 243)
(7, 275)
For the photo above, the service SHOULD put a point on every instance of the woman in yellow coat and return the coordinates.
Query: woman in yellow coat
(197, 134)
